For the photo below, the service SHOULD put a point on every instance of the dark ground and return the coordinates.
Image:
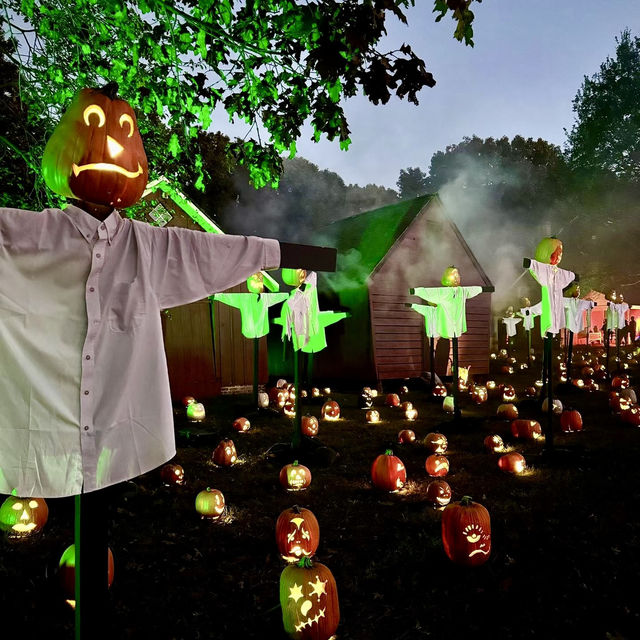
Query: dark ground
(565, 555)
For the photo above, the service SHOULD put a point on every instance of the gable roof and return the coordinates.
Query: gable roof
(374, 232)
(197, 215)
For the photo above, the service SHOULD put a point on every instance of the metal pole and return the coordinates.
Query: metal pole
(607, 341)
(456, 406)
(432, 357)
(548, 349)
(296, 440)
(256, 369)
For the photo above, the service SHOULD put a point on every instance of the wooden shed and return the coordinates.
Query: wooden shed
(206, 351)
(382, 254)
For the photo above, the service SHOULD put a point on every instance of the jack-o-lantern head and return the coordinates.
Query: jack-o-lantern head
(295, 476)
(512, 462)
(196, 412)
(527, 429)
(450, 277)
(255, 283)
(297, 533)
(549, 251)
(23, 517)
(388, 472)
(309, 601)
(466, 532)
(437, 465)
(406, 436)
(294, 277)
(372, 416)
(436, 442)
(96, 154)
(439, 493)
(210, 504)
(241, 425)
(330, 410)
(309, 426)
(172, 474)
(439, 391)
(494, 443)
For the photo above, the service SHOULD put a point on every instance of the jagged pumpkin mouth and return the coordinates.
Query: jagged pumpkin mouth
(105, 166)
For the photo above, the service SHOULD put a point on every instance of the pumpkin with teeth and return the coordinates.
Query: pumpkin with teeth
(96, 154)
(297, 533)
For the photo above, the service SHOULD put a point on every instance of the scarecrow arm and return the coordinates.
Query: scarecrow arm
(304, 256)
(526, 263)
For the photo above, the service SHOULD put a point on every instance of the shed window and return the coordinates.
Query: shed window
(160, 215)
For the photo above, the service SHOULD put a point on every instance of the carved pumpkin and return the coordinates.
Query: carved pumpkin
(96, 154)
(528, 429)
(437, 465)
(392, 400)
(406, 436)
(620, 381)
(448, 405)
(187, 400)
(255, 283)
(372, 416)
(295, 476)
(23, 517)
(365, 401)
(508, 392)
(297, 533)
(466, 532)
(293, 277)
(196, 412)
(436, 442)
(263, 399)
(570, 420)
(555, 404)
(210, 504)
(241, 425)
(507, 411)
(494, 443)
(278, 397)
(512, 462)
(309, 426)
(450, 277)
(439, 391)
(224, 455)
(410, 413)
(172, 474)
(438, 493)
(309, 601)
(479, 394)
(67, 572)
(388, 472)
(549, 251)
(330, 410)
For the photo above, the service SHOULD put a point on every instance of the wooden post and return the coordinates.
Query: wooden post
(296, 439)
(456, 391)
(256, 369)
(569, 356)
(618, 363)
(607, 341)
(432, 361)
(548, 355)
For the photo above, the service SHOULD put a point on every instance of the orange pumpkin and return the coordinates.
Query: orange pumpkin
(549, 251)
(225, 455)
(23, 517)
(450, 277)
(388, 472)
(96, 154)
(295, 476)
(437, 465)
(297, 533)
(466, 532)
(570, 420)
(438, 493)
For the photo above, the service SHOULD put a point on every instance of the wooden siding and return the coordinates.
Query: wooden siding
(417, 259)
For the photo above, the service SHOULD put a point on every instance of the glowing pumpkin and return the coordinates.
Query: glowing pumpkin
(187, 400)
(172, 474)
(67, 572)
(297, 533)
(406, 436)
(210, 504)
(388, 472)
(479, 394)
(96, 154)
(437, 465)
(330, 410)
(549, 251)
(570, 420)
(450, 277)
(295, 476)
(255, 283)
(512, 462)
(241, 425)
(392, 400)
(225, 455)
(436, 442)
(493, 443)
(372, 416)
(466, 532)
(309, 426)
(507, 411)
(196, 412)
(528, 429)
(556, 406)
(438, 493)
(23, 517)
(309, 601)
(439, 391)
(293, 277)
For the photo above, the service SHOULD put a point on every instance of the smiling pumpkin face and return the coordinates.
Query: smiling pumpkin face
(96, 154)
(23, 517)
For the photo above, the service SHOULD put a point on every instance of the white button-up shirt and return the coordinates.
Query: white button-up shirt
(552, 280)
(451, 317)
(84, 388)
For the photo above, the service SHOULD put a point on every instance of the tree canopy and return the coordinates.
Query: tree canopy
(274, 64)
(605, 136)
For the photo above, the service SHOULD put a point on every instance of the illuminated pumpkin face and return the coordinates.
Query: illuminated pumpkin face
(437, 465)
(388, 472)
(392, 400)
(507, 411)
(570, 421)
(294, 277)
(196, 412)
(450, 277)
(494, 443)
(556, 406)
(448, 405)
(310, 426)
(309, 601)
(491, 385)
(23, 517)
(466, 532)
(549, 251)
(95, 153)
(508, 393)
(172, 474)
(620, 382)
(278, 397)
(225, 455)
(528, 429)
(530, 392)
(365, 401)
(479, 394)
(241, 425)
(297, 533)
(436, 442)
(372, 416)
(263, 399)
(439, 391)
(295, 477)
(411, 413)
(210, 504)
(439, 493)
(330, 410)
(315, 392)
(406, 436)
(289, 409)
(512, 462)
(255, 283)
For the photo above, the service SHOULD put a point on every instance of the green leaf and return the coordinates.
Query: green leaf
(174, 146)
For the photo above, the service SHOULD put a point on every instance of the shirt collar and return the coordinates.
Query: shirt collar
(88, 226)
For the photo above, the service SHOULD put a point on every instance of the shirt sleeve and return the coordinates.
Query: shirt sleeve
(565, 277)
(471, 292)
(540, 271)
(431, 294)
(190, 265)
(21, 230)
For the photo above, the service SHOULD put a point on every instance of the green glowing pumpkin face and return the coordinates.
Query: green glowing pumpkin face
(95, 154)
(549, 251)
(23, 517)
(255, 283)
(451, 277)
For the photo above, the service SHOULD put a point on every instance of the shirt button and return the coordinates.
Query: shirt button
(86, 393)
(98, 255)
(102, 226)
(92, 289)
(86, 427)
(87, 357)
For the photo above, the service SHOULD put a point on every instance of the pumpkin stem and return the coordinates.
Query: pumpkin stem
(305, 562)
(110, 90)
(295, 463)
(388, 452)
(466, 501)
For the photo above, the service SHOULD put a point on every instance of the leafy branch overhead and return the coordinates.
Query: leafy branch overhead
(274, 64)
